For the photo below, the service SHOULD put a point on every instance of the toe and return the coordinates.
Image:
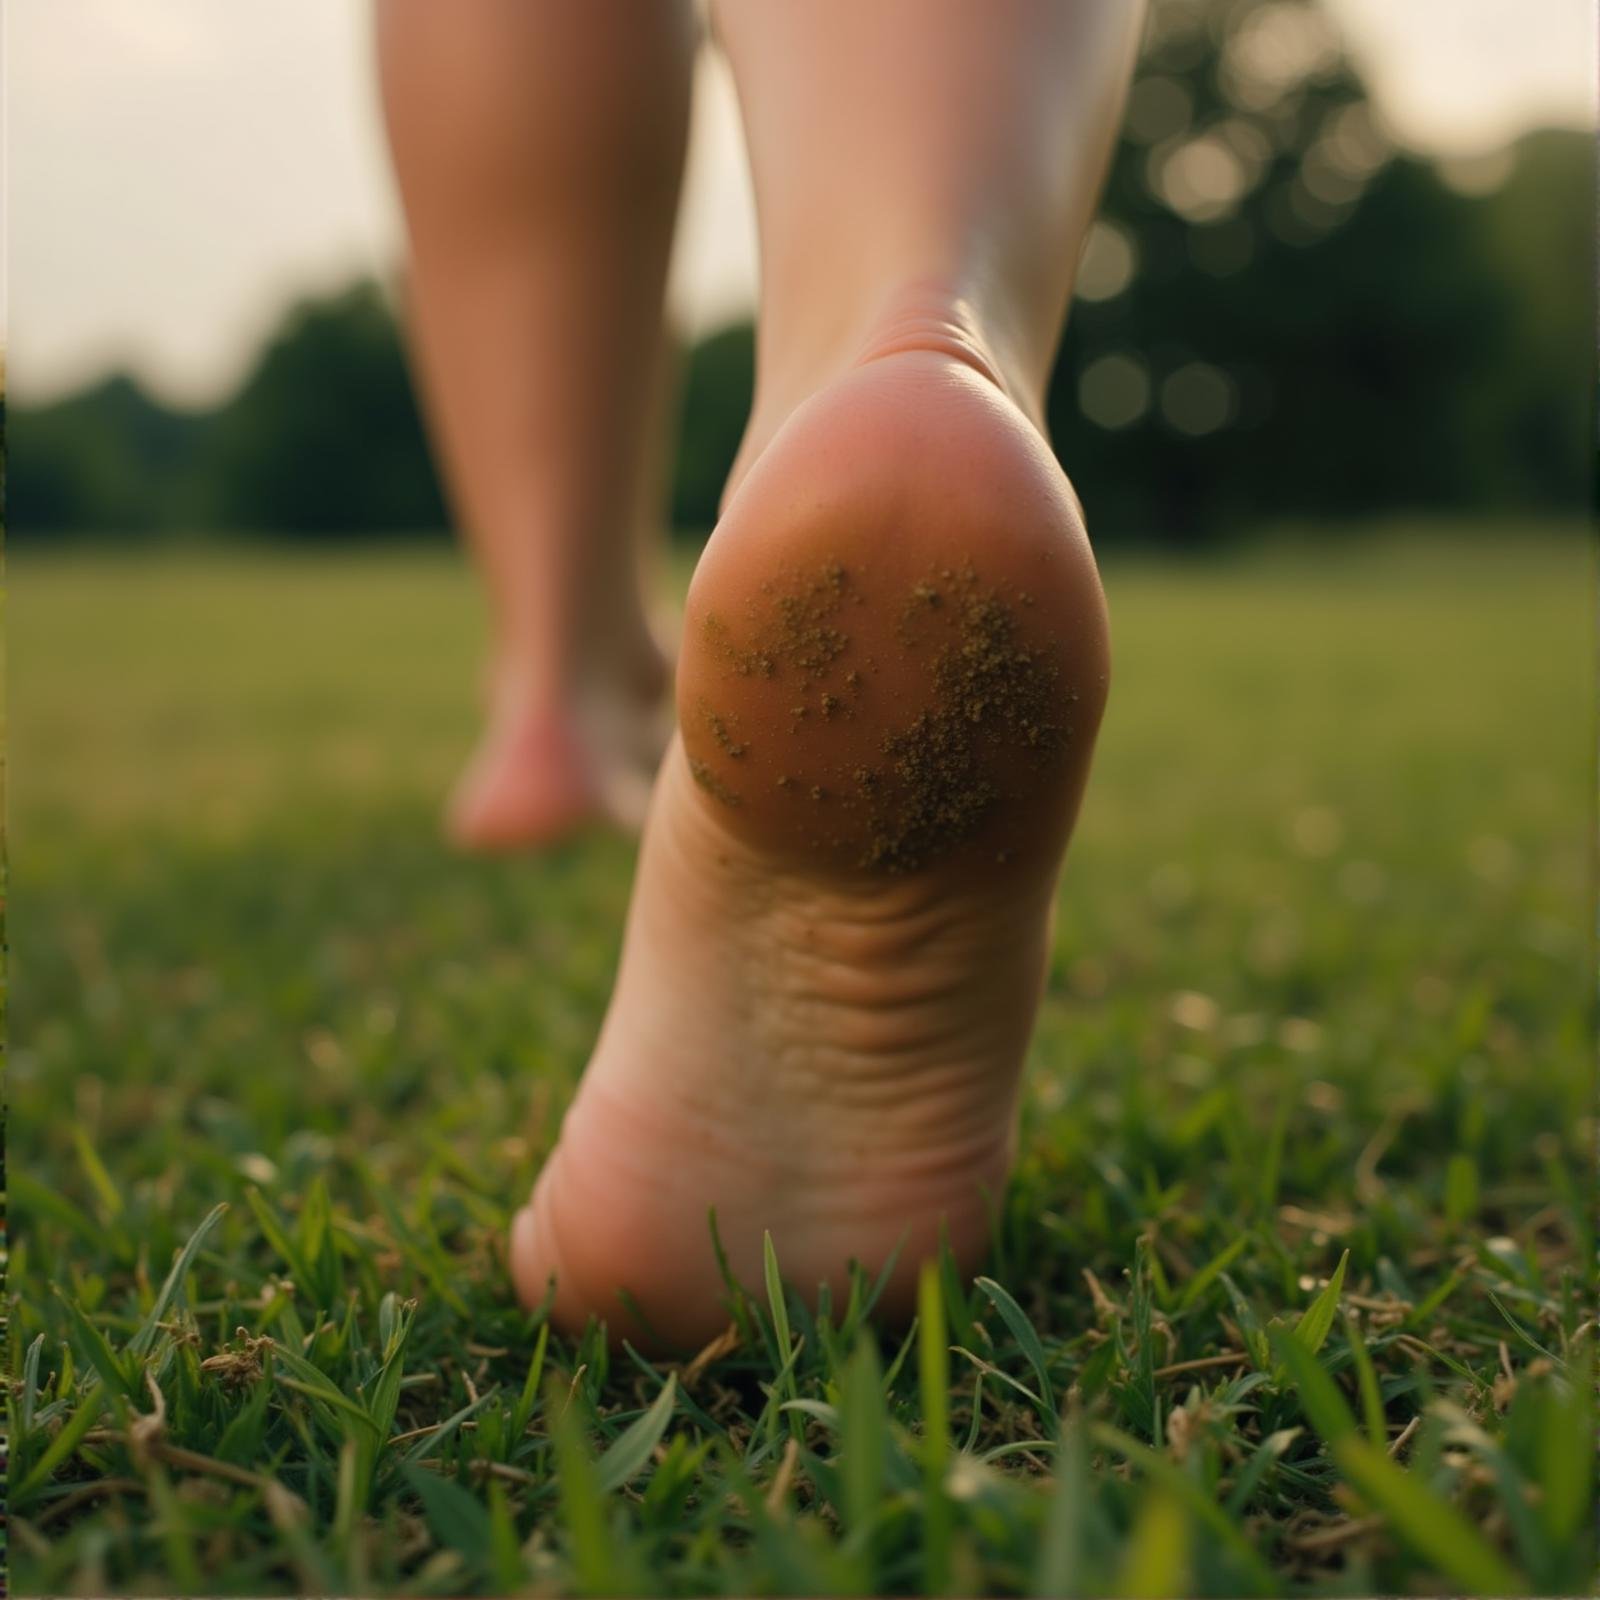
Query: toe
(525, 790)
(532, 1257)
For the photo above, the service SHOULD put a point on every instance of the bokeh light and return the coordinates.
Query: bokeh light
(1158, 108)
(1114, 392)
(1110, 260)
(1201, 179)
(1198, 399)
(1275, 48)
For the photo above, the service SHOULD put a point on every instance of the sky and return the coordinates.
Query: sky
(163, 207)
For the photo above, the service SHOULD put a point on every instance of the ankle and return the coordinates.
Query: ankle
(930, 316)
(529, 681)
(935, 320)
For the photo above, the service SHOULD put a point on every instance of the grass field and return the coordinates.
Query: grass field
(1299, 1246)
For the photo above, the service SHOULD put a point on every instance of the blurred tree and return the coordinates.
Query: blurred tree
(718, 381)
(1278, 315)
(1537, 237)
(324, 436)
(109, 459)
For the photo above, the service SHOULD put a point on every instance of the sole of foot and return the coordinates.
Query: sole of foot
(893, 668)
(540, 776)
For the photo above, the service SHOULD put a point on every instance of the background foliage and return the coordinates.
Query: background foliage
(1280, 315)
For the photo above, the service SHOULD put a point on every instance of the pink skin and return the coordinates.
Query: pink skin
(538, 150)
(807, 1041)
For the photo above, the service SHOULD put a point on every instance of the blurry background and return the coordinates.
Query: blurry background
(1342, 268)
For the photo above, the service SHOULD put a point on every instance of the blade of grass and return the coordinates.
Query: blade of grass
(783, 1383)
(635, 1445)
(900, 1355)
(1430, 1302)
(775, 1299)
(955, 1301)
(776, 1406)
(1372, 1411)
(94, 1344)
(429, 1443)
(738, 1301)
(1315, 1322)
(1211, 1271)
(864, 1426)
(1433, 1529)
(933, 1366)
(278, 1236)
(522, 1413)
(29, 1396)
(879, 1284)
(1023, 1332)
(456, 1517)
(62, 1446)
(329, 1402)
(1156, 1565)
(582, 1506)
(28, 1195)
(423, 1255)
(382, 1395)
(1255, 1336)
(697, 1414)
(1566, 1460)
(1058, 1570)
(346, 1502)
(989, 1369)
(1320, 1399)
(507, 1570)
(1272, 1158)
(1524, 1336)
(95, 1171)
(826, 1414)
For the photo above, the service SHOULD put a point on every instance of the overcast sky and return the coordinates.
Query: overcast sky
(181, 168)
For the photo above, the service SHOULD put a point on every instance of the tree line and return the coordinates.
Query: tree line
(1280, 315)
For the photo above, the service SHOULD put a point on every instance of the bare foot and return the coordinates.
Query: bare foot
(893, 669)
(547, 767)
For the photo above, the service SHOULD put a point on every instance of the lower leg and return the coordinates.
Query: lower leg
(893, 668)
(923, 168)
(538, 151)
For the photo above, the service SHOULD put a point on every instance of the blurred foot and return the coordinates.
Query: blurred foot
(893, 668)
(546, 768)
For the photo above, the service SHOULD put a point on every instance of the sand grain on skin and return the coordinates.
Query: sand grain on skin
(991, 698)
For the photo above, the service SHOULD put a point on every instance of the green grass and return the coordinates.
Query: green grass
(1298, 1246)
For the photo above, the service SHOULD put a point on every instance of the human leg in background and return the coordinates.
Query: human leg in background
(893, 669)
(539, 150)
